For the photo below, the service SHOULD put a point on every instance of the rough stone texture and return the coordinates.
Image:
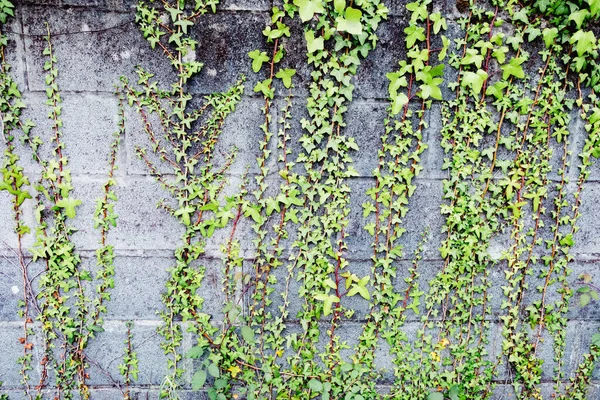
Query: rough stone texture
(96, 42)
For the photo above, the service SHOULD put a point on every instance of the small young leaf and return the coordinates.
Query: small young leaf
(315, 385)
(308, 8)
(350, 22)
(435, 396)
(584, 300)
(313, 44)
(258, 58)
(286, 76)
(69, 205)
(214, 370)
(198, 379)
(247, 334)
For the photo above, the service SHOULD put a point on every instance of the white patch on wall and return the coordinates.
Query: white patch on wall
(125, 54)
(498, 246)
(211, 72)
(115, 57)
(190, 56)
(85, 28)
(14, 289)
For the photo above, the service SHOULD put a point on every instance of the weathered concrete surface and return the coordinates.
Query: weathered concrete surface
(96, 42)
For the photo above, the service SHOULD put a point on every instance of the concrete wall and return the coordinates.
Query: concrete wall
(96, 42)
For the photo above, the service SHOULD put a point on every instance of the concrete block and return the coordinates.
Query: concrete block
(140, 224)
(587, 240)
(14, 52)
(11, 285)
(11, 288)
(241, 131)
(139, 284)
(89, 122)
(433, 159)
(365, 124)
(107, 349)
(244, 5)
(370, 79)
(83, 39)
(423, 214)
(226, 60)
(10, 332)
(8, 236)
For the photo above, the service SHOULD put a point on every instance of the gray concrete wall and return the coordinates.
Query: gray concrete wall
(96, 42)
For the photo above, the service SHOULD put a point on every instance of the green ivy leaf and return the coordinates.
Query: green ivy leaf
(567, 241)
(579, 16)
(272, 205)
(184, 23)
(584, 300)
(313, 44)
(327, 300)
(265, 88)
(439, 22)
(585, 41)
(195, 352)
(198, 379)
(68, 204)
(247, 334)
(350, 22)
(308, 8)
(497, 89)
(185, 213)
(398, 102)
(594, 7)
(258, 58)
(453, 393)
(361, 288)
(315, 385)
(286, 76)
(435, 396)
(174, 12)
(418, 11)
(339, 5)
(472, 57)
(474, 79)
(513, 68)
(414, 33)
(214, 371)
(445, 47)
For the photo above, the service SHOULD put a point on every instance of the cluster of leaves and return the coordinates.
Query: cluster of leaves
(498, 132)
(503, 129)
(129, 369)
(183, 137)
(572, 23)
(68, 316)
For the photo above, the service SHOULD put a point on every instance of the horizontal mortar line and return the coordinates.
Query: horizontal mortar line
(582, 258)
(58, 34)
(31, 5)
(412, 320)
(274, 173)
(360, 321)
(109, 28)
(142, 322)
(71, 92)
(150, 386)
(288, 322)
(358, 100)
